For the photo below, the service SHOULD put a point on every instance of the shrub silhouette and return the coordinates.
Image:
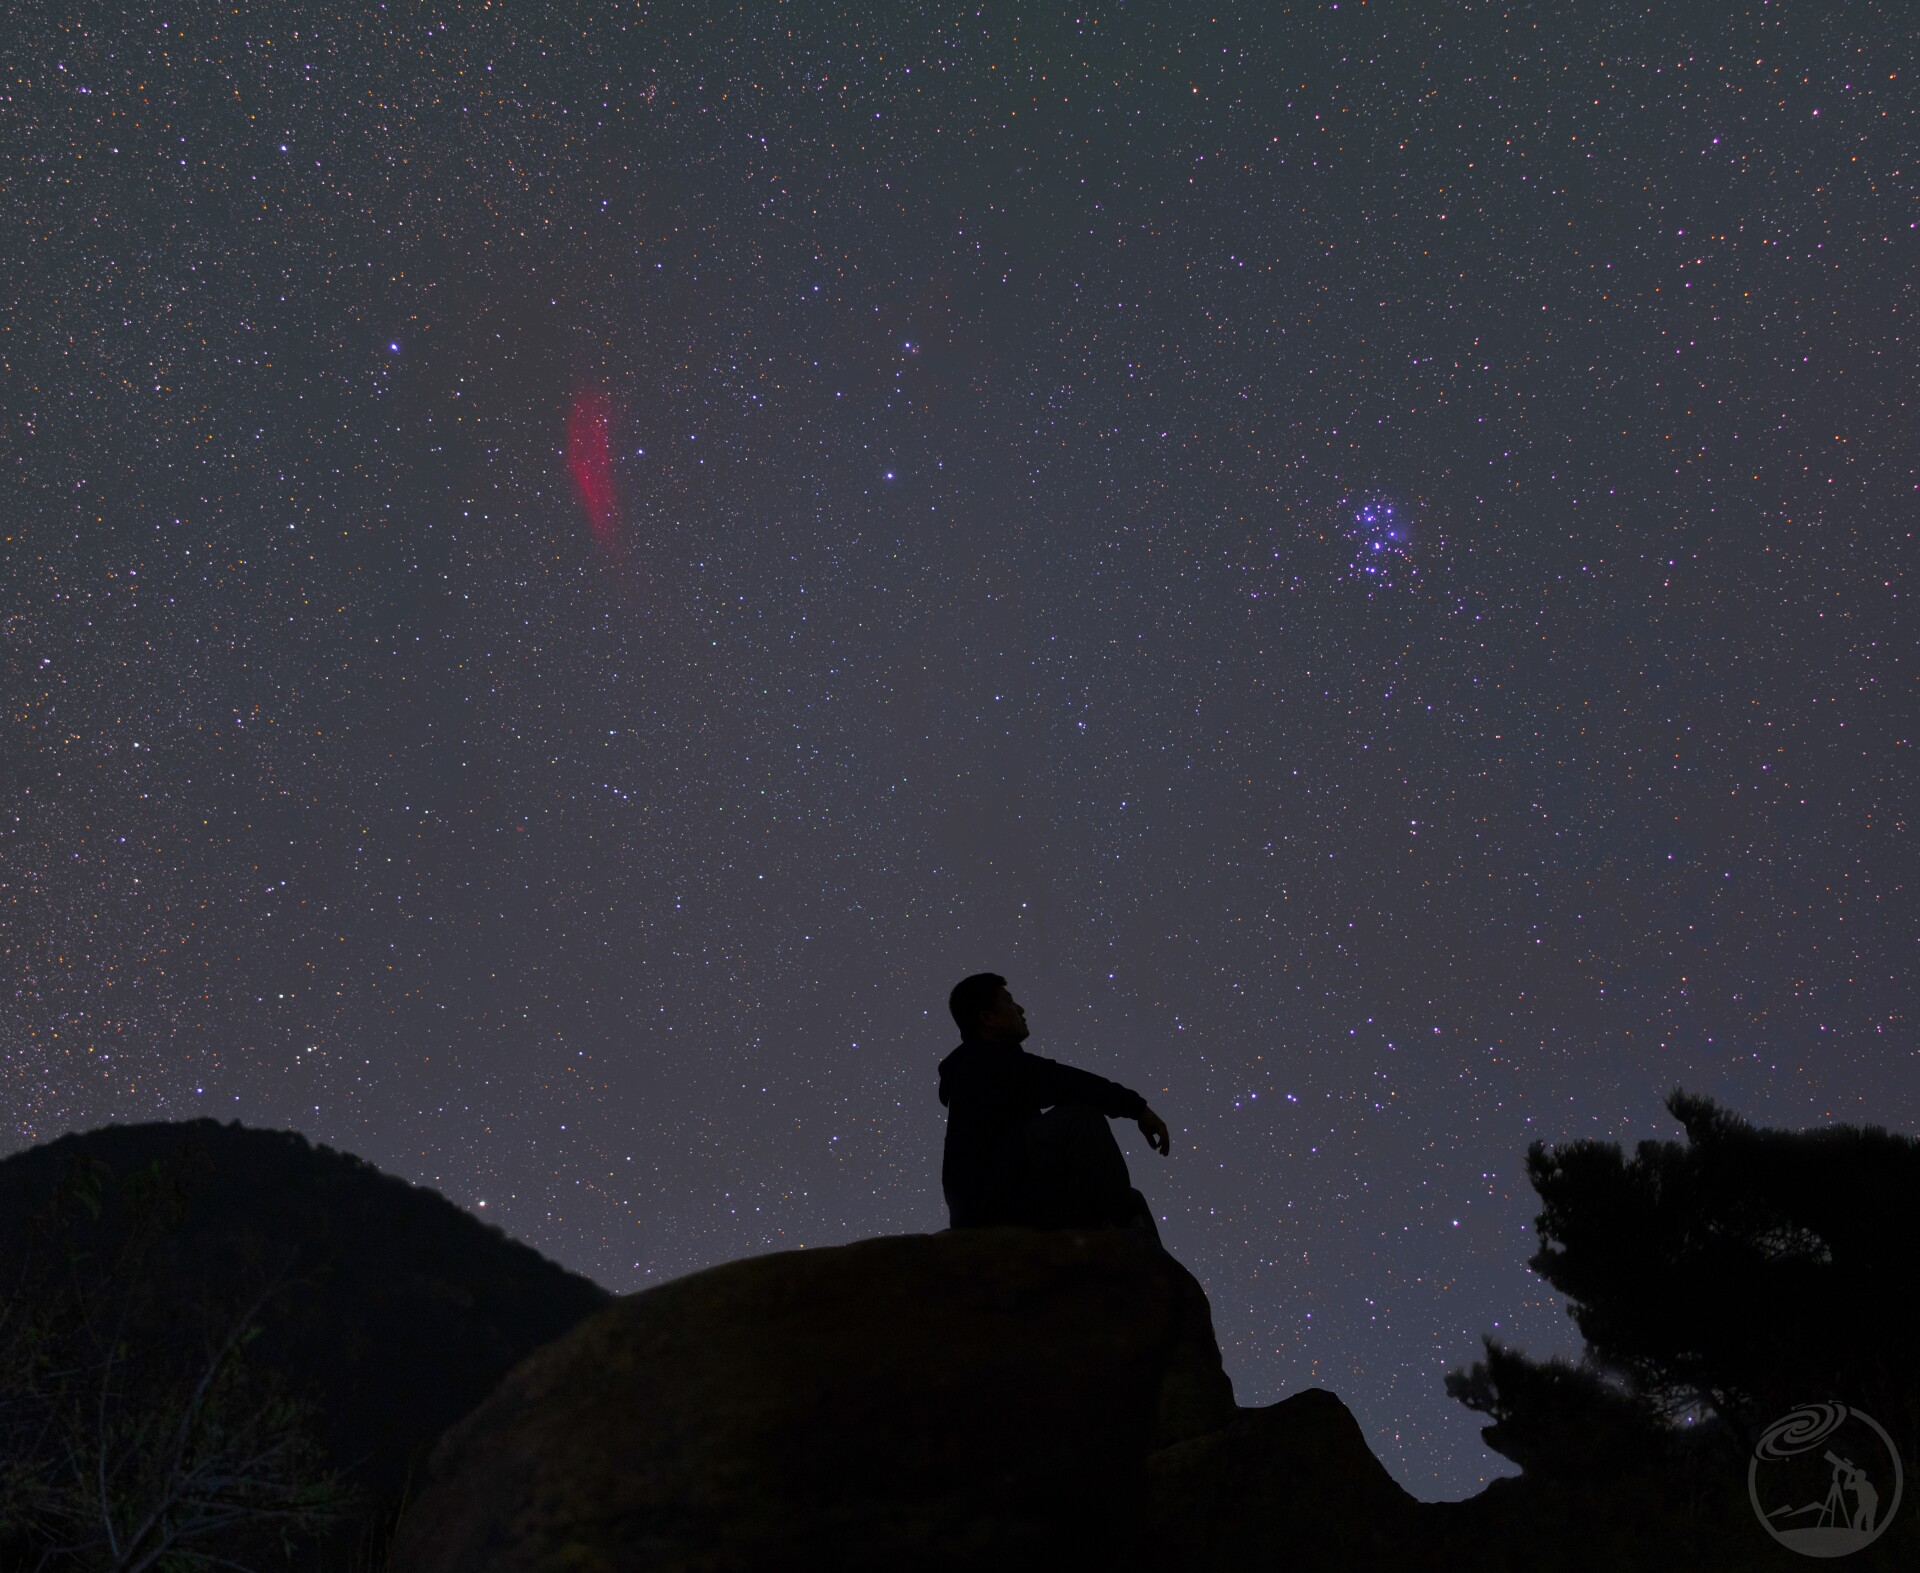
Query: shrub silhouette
(1725, 1279)
(1558, 1419)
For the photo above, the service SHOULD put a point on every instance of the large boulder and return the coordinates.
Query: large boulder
(968, 1399)
(995, 1399)
(1292, 1485)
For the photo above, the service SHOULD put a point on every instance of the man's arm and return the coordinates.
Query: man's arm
(1048, 1082)
(1056, 1083)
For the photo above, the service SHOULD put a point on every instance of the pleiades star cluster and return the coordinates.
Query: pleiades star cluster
(566, 573)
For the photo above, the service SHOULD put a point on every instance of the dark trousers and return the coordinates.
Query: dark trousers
(1067, 1172)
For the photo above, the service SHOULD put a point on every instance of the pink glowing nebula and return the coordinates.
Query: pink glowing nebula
(590, 462)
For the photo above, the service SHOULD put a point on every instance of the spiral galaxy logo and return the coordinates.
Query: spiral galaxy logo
(1833, 1477)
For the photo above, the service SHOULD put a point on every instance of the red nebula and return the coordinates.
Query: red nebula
(590, 461)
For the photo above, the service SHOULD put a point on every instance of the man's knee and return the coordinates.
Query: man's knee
(1076, 1134)
(1079, 1118)
(1071, 1154)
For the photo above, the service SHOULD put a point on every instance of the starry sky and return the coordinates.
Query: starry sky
(564, 576)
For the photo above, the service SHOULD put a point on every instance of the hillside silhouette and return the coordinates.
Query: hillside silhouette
(382, 1308)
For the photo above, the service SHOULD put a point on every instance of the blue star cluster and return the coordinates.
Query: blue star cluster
(1381, 539)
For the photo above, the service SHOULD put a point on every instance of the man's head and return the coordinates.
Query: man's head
(985, 1012)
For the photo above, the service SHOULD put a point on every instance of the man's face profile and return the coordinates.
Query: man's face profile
(1005, 1021)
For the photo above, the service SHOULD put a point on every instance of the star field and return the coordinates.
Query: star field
(565, 578)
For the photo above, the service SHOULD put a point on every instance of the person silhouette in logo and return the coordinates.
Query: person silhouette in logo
(1027, 1138)
(1866, 1500)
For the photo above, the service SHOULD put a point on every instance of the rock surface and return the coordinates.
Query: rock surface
(985, 1399)
(1292, 1485)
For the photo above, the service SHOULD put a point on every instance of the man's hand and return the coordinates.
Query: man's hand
(1155, 1130)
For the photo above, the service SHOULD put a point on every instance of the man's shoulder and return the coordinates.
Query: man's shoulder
(983, 1059)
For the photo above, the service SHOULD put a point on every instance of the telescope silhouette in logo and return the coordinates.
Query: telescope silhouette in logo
(1847, 1476)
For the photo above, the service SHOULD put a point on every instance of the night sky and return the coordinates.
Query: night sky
(563, 580)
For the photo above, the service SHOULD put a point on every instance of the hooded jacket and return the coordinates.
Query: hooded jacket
(991, 1091)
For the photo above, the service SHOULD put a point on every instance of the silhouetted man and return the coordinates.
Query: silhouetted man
(1006, 1161)
(1866, 1500)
